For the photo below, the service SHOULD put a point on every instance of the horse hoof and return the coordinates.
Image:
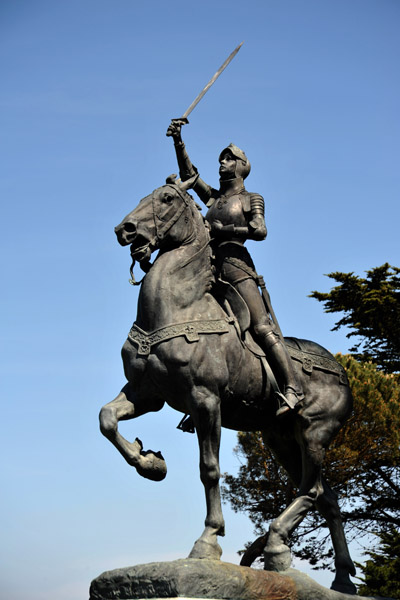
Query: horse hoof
(277, 558)
(345, 587)
(203, 549)
(152, 467)
(149, 464)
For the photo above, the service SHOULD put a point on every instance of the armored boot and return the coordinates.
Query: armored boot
(281, 365)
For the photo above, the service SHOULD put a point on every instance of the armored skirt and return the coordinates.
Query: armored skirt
(233, 262)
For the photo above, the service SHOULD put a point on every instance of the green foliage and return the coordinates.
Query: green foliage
(363, 461)
(381, 574)
(362, 465)
(371, 308)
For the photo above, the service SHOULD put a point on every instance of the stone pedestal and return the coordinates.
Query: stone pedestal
(211, 579)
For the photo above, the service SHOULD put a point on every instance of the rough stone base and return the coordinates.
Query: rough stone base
(211, 579)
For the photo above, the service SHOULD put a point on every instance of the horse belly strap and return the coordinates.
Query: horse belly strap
(190, 329)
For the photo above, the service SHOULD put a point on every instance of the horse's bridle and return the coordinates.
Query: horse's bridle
(160, 232)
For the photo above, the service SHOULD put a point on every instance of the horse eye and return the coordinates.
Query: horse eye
(167, 199)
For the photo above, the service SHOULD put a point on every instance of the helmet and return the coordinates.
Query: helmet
(242, 162)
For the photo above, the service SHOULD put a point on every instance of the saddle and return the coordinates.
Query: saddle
(236, 309)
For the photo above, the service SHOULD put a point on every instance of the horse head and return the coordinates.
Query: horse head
(160, 220)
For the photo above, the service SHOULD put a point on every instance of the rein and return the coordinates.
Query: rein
(144, 265)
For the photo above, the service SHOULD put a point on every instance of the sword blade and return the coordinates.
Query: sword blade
(210, 83)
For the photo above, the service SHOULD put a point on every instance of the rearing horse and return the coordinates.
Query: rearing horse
(183, 349)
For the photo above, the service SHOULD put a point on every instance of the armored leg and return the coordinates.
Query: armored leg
(282, 366)
(273, 346)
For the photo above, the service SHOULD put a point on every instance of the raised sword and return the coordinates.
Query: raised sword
(184, 118)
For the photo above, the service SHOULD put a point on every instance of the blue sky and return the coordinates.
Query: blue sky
(88, 90)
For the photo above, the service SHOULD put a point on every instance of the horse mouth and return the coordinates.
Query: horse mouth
(139, 253)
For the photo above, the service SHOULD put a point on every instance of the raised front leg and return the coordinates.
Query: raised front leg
(207, 418)
(125, 406)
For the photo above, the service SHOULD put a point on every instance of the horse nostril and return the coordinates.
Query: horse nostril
(130, 227)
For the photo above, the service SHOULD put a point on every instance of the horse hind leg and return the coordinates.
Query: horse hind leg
(148, 464)
(274, 543)
(328, 507)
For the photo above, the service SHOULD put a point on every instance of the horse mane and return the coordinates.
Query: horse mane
(201, 227)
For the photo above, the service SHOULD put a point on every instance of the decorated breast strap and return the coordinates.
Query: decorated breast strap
(190, 330)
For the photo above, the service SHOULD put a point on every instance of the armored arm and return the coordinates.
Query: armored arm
(186, 167)
(257, 227)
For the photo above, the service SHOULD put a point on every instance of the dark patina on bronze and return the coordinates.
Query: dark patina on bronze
(218, 381)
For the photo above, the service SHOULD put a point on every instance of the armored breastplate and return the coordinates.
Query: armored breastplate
(228, 210)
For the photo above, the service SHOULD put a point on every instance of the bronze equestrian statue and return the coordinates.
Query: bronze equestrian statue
(186, 348)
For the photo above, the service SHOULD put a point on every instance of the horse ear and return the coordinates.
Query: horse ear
(184, 186)
(171, 178)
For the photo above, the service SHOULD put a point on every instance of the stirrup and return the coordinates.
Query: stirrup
(288, 404)
(186, 424)
(283, 410)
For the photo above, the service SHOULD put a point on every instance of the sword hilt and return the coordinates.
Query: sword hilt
(180, 121)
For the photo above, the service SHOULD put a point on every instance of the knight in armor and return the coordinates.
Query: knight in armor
(234, 216)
